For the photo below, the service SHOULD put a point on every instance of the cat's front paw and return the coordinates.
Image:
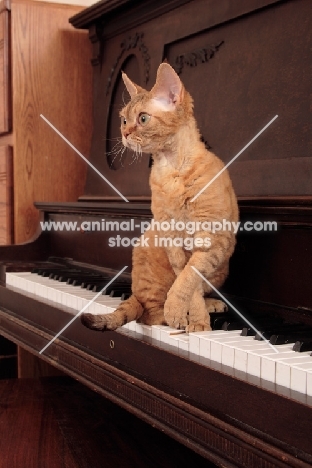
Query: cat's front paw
(175, 312)
(99, 322)
(197, 327)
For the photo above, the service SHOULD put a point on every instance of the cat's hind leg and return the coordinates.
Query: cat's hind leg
(215, 305)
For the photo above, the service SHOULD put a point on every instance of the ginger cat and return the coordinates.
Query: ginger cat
(165, 288)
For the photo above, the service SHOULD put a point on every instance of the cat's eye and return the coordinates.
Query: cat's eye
(144, 119)
(123, 121)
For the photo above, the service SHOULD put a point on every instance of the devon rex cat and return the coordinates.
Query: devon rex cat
(165, 287)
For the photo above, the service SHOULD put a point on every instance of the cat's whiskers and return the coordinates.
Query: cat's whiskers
(137, 152)
(117, 150)
(119, 153)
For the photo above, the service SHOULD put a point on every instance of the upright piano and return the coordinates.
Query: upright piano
(225, 395)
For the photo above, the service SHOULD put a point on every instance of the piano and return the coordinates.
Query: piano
(228, 396)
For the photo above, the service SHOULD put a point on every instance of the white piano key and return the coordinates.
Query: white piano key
(254, 359)
(132, 326)
(199, 342)
(168, 336)
(147, 330)
(156, 331)
(143, 329)
(248, 358)
(239, 348)
(183, 342)
(309, 383)
(269, 364)
(299, 374)
(229, 344)
(240, 360)
(62, 293)
(194, 342)
(292, 373)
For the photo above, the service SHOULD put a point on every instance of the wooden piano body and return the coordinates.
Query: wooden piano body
(244, 62)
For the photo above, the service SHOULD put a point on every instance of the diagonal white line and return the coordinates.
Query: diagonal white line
(233, 159)
(82, 310)
(85, 159)
(237, 311)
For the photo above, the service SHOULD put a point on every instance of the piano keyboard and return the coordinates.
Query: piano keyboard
(245, 354)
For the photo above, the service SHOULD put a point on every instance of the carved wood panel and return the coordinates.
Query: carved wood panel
(241, 74)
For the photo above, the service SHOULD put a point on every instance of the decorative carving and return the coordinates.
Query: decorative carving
(192, 59)
(129, 43)
(94, 36)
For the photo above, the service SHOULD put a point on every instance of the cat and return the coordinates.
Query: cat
(165, 287)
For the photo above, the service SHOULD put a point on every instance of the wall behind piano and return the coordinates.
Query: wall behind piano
(49, 73)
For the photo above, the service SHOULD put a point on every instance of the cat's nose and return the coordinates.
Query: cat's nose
(127, 131)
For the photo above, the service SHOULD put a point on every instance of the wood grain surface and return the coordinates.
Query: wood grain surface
(52, 76)
(57, 422)
(5, 101)
(6, 226)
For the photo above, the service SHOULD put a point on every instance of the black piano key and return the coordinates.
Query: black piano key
(89, 283)
(117, 293)
(283, 329)
(233, 325)
(97, 286)
(125, 296)
(291, 337)
(56, 274)
(261, 323)
(217, 319)
(302, 346)
(47, 271)
(92, 281)
(79, 279)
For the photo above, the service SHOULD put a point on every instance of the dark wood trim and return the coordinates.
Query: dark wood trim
(106, 8)
(118, 17)
(274, 208)
(115, 208)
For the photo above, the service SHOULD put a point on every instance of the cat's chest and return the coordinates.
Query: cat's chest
(168, 183)
(171, 194)
(171, 201)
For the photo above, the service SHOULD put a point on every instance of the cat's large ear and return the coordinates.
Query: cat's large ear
(132, 88)
(168, 89)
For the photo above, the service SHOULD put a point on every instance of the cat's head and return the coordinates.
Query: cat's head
(151, 119)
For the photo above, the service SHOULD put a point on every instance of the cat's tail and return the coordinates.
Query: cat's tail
(128, 310)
